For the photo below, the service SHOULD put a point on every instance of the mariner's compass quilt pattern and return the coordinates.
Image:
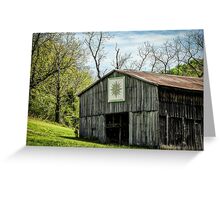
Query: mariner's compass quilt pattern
(116, 89)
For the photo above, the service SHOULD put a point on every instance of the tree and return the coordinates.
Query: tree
(186, 50)
(153, 58)
(185, 69)
(164, 56)
(192, 45)
(67, 53)
(120, 60)
(143, 53)
(40, 54)
(74, 81)
(95, 42)
(55, 64)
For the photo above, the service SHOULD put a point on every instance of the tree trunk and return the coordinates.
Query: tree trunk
(57, 108)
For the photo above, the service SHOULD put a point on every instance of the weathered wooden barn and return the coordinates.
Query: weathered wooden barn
(145, 109)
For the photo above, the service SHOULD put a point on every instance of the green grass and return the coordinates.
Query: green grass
(43, 133)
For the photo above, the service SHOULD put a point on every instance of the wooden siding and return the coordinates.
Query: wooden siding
(141, 102)
(144, 129)
(93, 126)
(140, 96)
(180, 103)
(181, 118)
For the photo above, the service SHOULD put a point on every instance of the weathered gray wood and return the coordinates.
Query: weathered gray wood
(130, 128)
(167, 127)
(147, 105)
(183, 107)
(138, 98)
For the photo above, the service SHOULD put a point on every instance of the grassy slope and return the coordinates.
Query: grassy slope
(41, 133)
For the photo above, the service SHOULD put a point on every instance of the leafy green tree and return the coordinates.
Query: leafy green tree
(58, 72)
(194, 69)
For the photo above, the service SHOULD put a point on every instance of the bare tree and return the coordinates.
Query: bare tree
(180, 54)
(163, 56)
(95, 42)
(147, 55)
(198, 38)
(183, 50)
(159, 58)
(143, 53)
(120, 59)
(153, 58)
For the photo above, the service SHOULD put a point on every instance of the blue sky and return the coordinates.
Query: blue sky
(129, 41)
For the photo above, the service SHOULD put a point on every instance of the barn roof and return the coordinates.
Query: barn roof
(168, 80)
(184, 82)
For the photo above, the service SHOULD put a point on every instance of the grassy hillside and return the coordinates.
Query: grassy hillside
(42, 133)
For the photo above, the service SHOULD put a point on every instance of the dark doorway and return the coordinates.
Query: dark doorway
(117, 131)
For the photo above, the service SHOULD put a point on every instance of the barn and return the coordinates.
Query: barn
(152, 110)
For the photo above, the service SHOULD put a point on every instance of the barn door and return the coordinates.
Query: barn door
(117, 131)
(163, 134)
(180, 132)
(194, 134)
(171, 131)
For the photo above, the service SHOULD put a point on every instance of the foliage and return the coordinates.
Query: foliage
(41, 104)
(188, 70)
(58, 73)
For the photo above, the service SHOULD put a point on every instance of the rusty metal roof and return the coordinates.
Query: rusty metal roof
(182, 82)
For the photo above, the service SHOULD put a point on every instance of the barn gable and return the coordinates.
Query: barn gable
(140, 96)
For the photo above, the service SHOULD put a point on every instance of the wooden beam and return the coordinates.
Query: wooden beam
(167, 127)
(130, 128)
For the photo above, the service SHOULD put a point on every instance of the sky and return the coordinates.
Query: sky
(129, 41)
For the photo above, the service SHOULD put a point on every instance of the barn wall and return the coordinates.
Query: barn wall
(144, 129)
(141, 101)
(140, 96)
(181, 118)
(93, 126)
